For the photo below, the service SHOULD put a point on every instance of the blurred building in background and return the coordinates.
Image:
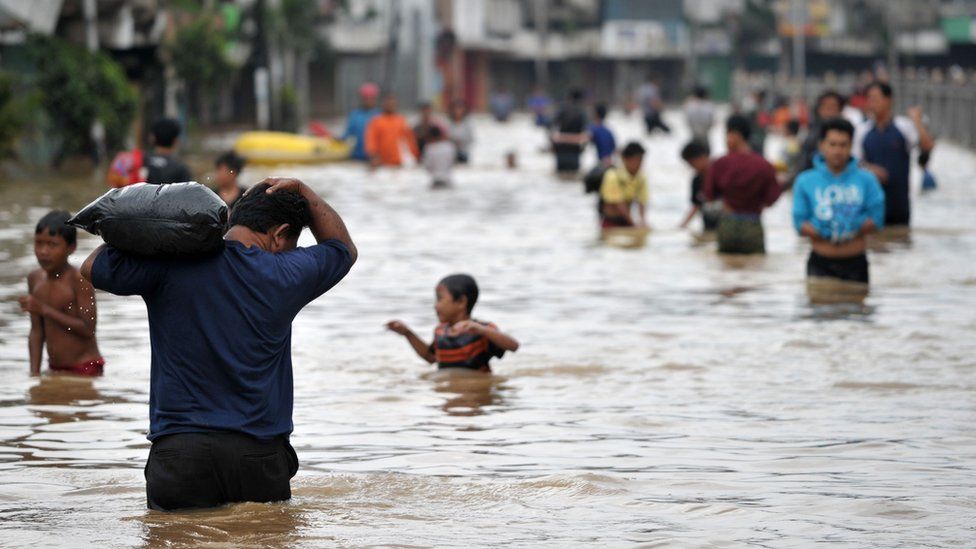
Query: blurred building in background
(279, 63)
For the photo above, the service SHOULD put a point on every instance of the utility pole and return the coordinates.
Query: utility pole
(391, 51)
(541, 13)
(97, 130)
(799, 46)
(894, 71)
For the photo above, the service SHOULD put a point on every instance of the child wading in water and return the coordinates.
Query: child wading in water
(459, 340)
(61, 303)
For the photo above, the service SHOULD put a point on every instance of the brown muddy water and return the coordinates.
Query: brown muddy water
(663, 396)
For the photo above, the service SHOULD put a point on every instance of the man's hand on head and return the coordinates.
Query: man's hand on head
(283, 184)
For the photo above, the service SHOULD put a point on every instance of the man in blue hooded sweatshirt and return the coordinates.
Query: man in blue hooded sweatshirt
(836, 204)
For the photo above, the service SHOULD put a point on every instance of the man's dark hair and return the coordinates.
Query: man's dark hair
(434, 132)
(883, 87)
(259, 211)
(632, 149)
(232, 160)
(694, 149)
(793, 127)
(837, 125)
(829, 94)
(461, 285)
(576, 95)
(55, 223)
(165, 131)
(740, 125)
(700, 92)
(600, 110)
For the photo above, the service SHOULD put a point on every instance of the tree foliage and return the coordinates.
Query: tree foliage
(197, 51)
(77, 87)
(12, 115)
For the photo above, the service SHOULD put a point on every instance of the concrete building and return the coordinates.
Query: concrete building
(389, 43)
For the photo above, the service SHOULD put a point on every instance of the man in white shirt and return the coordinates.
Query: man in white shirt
(439, 157)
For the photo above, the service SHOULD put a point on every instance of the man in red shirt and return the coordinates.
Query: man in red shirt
(746, 184)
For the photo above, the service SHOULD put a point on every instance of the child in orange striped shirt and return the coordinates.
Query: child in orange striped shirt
(459, 340)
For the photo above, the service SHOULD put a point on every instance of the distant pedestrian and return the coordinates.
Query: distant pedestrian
(460, 342)
(836, 204)
(829, 105)
(649, 99)
(438, 157)
(386, 132)
(227, 171)
(747, 184)
(163, 165)
(700, 112)
(359, 119)
(570, 134)
(501, 104)
(460, 131)
(885, 143)
(695, 154)
(427, 121)
(623, 188)
(601, 136)
(540, 104)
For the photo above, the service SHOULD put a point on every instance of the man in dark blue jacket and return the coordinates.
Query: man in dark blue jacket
(221, 389)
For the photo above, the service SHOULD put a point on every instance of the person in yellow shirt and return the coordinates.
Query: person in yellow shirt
(385, 133)
(623, 188)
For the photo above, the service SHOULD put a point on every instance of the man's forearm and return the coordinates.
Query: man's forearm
(867, 227)
(620, 210)
(326, 223)
(808, 230)
(925, 141)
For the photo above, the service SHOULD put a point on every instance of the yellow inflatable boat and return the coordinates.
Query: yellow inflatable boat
(289, 148)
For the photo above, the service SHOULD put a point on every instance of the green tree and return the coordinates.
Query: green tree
(197, 53)
(77, 87)
(12, 115)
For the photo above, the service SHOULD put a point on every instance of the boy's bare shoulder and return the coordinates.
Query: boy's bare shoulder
(73, 275)
(34, 277)
(72, 272)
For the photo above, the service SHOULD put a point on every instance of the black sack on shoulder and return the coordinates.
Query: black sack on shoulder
(180, 219)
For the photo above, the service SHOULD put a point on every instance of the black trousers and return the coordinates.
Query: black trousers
(652, 121)
(567, 157)
(851, 269)
(195, 470)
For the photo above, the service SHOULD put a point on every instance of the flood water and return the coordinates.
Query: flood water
(663, 395)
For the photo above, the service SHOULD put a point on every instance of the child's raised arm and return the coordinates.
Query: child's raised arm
(419, 346)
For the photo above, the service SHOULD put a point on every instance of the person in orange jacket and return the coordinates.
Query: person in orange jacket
(385, 133)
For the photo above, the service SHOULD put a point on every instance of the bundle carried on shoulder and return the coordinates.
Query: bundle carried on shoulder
(176, 220)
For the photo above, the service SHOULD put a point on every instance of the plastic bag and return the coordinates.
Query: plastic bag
(594, 178)
(180, 219)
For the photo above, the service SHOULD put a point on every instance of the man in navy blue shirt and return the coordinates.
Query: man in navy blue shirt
(220, 395)
(884, 144)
